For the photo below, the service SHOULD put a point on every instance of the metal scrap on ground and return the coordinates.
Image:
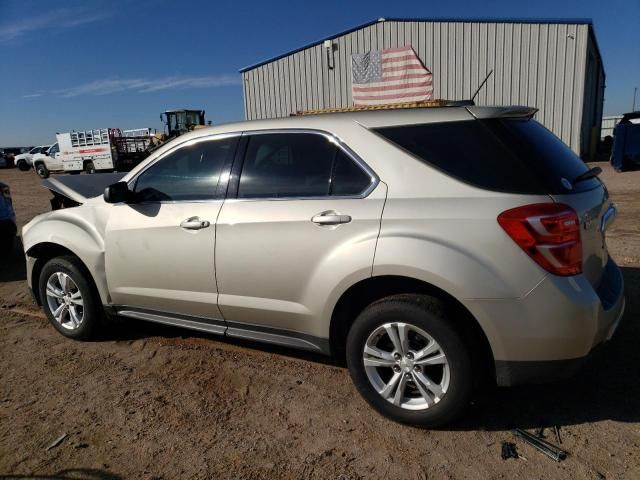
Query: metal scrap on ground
(542, 445)
(57, 441)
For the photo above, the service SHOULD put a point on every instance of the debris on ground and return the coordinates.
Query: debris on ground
(556, 429)
(57, 441)
(550, 450)
(509, 450)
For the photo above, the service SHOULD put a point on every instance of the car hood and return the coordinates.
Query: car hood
(80, 188)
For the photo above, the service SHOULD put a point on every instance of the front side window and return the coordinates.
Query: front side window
(188, 173)
(286, 165)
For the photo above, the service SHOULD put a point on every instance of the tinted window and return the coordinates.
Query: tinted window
(512, 155)
(189, 173)
(281, 165)
(348, 178)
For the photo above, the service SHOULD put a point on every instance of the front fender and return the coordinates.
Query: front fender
(75, 229)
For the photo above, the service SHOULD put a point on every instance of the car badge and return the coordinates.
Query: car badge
(566, 183)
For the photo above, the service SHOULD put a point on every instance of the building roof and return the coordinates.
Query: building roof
(562, 21)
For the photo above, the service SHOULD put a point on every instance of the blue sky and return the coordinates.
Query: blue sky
(95, 63)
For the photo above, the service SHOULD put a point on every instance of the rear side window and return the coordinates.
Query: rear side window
(348, 178)
(298, 165)
(507, 155)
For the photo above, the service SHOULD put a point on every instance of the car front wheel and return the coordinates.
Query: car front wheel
(408, 362)
(42, 171)
(69, 298)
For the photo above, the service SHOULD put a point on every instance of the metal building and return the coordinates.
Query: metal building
(554, 65)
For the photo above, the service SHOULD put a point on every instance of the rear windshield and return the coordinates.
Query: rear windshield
(506, 155)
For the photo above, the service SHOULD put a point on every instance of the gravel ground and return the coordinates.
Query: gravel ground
(155, 402)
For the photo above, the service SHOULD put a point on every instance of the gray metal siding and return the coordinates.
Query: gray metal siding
(540, 65)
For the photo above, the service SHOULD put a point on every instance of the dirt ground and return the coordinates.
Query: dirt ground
(156, 402)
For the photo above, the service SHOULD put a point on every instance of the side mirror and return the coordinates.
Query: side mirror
(117, 193)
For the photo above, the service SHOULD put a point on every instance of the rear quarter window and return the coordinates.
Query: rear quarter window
(506, 155)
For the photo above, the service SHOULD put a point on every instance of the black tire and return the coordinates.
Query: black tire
(42, 170)
(427, 314)
(23, 166)
(89, 167)
(93, 313)
(7, 244)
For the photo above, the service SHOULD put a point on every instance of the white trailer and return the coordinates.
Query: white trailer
(104, 149)
(86, 150)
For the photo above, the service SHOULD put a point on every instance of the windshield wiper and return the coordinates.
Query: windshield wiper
(591, 173)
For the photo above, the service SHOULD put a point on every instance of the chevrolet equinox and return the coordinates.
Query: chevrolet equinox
(433, 249)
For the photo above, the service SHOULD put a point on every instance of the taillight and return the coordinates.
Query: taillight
(549, 233)
(6, 193)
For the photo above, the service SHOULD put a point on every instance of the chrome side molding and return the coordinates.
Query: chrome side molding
(203, 325)
(256, 333)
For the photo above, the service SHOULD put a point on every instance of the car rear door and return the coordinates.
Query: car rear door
(302, 217)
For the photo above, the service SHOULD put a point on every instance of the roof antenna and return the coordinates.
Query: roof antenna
(481, 85)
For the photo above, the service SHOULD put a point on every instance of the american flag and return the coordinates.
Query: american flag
(392, 75)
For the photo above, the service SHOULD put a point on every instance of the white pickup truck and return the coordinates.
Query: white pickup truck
(105, 149)
(24, 161)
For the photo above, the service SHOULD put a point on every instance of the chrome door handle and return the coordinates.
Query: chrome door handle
(194, 223)
(330, 218)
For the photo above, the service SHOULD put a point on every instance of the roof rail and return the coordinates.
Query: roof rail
(388, 106)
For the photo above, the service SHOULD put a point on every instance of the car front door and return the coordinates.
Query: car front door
(53, 160)
(160, 250)
(305, 217)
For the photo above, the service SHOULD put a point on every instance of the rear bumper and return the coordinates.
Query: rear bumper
(548, 334)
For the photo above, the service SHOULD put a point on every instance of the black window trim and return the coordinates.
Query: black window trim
(234, 182)
(225, 173)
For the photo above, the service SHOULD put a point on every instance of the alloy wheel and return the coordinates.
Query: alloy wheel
(65, 301)
(406, 366)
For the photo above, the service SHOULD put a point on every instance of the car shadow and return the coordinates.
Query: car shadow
(607, 388)
(126, 329)
(12, 266)
(69, 474)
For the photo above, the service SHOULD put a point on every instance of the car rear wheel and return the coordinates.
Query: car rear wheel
(69, 298)
(89, 168)
(408, 362)
(42, 171)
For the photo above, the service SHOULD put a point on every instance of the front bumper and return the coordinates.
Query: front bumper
(548, 334)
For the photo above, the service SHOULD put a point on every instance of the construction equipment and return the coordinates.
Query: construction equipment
(177, 122)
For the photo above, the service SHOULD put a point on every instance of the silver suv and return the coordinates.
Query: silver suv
(434, 249)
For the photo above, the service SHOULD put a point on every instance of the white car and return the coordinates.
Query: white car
(24, 160)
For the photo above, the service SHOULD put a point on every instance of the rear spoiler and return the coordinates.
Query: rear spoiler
(74, 190)
(501, 112)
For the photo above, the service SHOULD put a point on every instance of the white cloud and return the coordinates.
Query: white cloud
(145, 85)
(33, 95)
(54, 20)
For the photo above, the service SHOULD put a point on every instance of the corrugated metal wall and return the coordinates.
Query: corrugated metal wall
(540, 65)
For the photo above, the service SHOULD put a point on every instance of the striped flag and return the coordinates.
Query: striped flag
(392, 75)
